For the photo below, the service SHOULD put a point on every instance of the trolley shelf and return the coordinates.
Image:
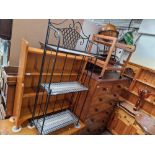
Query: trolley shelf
(55, 122)
(65, 47)
(63, 87)
(69, 51)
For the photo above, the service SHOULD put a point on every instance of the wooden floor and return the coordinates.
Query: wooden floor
(6, 129)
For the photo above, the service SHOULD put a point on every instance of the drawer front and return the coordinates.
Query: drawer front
(96, 123)
(111, 88)
(95, 131)
(103, 89)
(95, 126)
(104, 107)
(104, 103)
(125, 117)
(107, 100)
(117, 88)
(98, 118)
(90, 131)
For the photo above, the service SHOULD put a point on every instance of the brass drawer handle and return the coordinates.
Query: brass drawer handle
(100, 99)
(107, 112)
(105, 89)
(111, 103)
(115, 95)
(88, 130)
(119, 86)
(96, 110)
(92, 120)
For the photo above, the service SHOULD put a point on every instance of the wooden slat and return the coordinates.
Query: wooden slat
(41, 51)
(105, 37)
(20, 80)
(127, 48)
(49, 74)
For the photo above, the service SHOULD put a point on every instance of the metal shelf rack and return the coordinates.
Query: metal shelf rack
(65, 40)
(63, 88)
(55, 121)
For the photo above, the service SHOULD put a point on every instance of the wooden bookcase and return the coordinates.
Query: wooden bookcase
(28, 76)
(143, 78)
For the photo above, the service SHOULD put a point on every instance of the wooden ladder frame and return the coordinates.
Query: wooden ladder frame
(113, 44)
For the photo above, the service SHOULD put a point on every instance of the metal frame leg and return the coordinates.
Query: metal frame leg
(45, 112)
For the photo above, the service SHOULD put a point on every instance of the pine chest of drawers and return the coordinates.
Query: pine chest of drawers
(101, 101)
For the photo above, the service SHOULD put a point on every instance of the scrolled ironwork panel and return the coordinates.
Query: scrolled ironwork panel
(71, 34)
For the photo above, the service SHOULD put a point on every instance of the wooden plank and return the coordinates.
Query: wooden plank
(127, 48)
(41, 51)
(49, 74)
(20, 80)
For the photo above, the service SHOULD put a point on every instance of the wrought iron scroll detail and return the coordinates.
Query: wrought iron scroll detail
(71, 34)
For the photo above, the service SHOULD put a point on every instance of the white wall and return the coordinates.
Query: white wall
(89, 28)
(33, 30)
(145, 51)
(147, 27)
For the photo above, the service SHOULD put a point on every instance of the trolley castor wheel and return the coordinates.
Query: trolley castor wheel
(77, 125)
(12, 119)
(15, 129)
(30, 126)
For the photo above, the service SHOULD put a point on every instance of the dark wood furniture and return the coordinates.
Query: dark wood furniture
(146, 122)
(6, 28)
(124, 119)
(8, 87)
(123, 123)
(5, 35)
(101, 102)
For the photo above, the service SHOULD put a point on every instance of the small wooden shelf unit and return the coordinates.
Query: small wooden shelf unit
(123, 123)
(28, 76)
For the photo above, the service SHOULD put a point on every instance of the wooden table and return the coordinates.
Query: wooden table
(146, 122)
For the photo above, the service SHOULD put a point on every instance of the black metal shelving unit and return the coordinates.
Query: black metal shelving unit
(67, 39)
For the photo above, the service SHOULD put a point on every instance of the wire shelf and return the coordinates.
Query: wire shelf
(69, 51)
(63, 87)
(66, 40)
(55, 122)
